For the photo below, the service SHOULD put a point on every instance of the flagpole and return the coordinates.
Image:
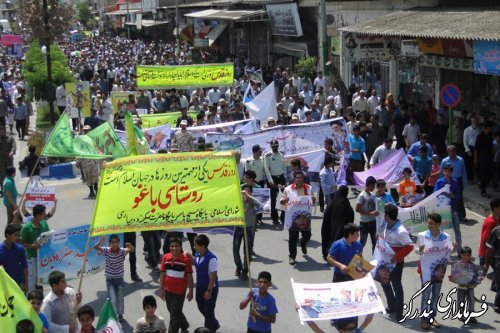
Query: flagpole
(247, 259)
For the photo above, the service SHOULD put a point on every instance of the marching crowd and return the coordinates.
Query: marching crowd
(458, 154)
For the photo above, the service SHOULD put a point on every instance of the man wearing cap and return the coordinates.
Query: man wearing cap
(271, 122)
(183, 138)
(382, 152)
(366, 207)
(295, 119)
(255, 163)
(275, 168)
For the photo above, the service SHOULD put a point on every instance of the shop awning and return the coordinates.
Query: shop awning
(153, 23)
(230, 15)
(293, 49)
(124, 12)
(442, 23)
(215, 33)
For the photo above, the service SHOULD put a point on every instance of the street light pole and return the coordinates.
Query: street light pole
(49, 63)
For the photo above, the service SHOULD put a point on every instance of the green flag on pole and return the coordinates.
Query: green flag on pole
(60, 142)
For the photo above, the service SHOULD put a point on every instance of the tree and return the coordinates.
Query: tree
(35, 69)
(59, 17)
(306, 67)
(83, 12)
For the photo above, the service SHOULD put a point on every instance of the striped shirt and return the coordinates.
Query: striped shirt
(114, 267)
(176, 271)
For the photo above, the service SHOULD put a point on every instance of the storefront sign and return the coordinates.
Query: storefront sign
(486, 57)
(358, 47)
(445, 47)
(285, 20)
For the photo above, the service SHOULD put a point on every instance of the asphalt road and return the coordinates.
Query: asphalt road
(272, 255)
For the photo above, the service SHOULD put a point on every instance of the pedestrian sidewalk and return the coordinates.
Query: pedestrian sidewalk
(475, 202)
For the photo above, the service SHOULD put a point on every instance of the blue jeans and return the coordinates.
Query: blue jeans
(238, 237)
(207, 308)
(431, 293)
(115, 293)
(455, 221)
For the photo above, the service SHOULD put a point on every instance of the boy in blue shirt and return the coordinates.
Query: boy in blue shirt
(263, 309)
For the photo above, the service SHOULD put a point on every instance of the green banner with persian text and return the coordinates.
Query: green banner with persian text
(188, 76)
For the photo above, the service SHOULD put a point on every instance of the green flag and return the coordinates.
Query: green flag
(136, 142)
(60, 143)
(106, 140)
(101, 142)
(14, 305)
(107, 319)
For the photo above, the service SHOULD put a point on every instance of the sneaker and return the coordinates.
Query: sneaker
(156, 269)
(276, 222)
(291, 261)
(237, 272)
(435, 324)
(136, 278)
(425, 325)
(473, 321)
(91, 195)
(120, 318)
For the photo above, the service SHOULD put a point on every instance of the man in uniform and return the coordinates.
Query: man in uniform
(255, 163)
(274, 165)
(7, 152)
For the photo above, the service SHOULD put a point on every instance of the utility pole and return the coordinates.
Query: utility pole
(324, 54)
(128, 21)
(48, 40)
(177, 32)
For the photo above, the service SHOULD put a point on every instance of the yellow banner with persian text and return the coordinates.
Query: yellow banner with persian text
(168, 191)
(188, 76)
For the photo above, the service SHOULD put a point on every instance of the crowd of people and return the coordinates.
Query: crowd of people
(457, 154)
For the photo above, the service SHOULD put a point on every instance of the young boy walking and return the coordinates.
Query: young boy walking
(150, 322)
(263, 309)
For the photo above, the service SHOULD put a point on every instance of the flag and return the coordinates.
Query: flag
(99, 143)
(14, 305)
(108, 322)
(247, 96)
(106, 140)
(263, 105)
(136, 142)
(60, 142)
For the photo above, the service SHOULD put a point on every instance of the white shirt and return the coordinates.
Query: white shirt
(373, 102)
(411, 132)
(307, 96)
(360, 104)
(106, 109)
(319, 82)
(58, 310)
(214, 96)
(470, 136)
(380, 154)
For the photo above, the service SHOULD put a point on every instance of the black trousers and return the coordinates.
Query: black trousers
(368, 228)
(130, 237)
(293, 238)
(277, 180)
(394, 290)
(470, 167)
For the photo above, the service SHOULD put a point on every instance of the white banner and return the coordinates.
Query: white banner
(414, 219)
(44, 195)
(325, 301)
(434, 258)
(298, 213)
(293, 139)
(383, 254)
(263, 195)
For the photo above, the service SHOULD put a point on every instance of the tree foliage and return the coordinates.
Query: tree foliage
(35, 69)
(32, 16)
(306, 67)
(83, 11)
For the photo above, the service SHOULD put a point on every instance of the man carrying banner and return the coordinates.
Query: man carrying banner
(398, 238)
(434, 247)
(455, 197)
(30, 238)
(298, 188)
(275, 168)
